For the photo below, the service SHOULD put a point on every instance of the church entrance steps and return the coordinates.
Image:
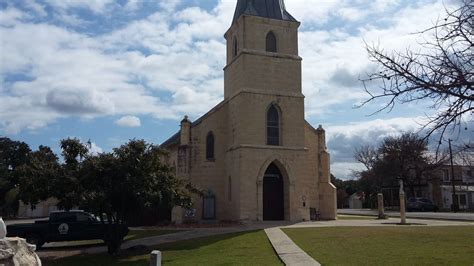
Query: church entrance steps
(287, 250)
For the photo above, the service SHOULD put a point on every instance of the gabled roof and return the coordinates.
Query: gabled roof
(274, 9)
(176, 138)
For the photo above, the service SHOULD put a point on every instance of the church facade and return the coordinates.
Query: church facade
(254, 153)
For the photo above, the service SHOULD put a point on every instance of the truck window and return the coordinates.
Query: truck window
(63, 217)
(82, 217)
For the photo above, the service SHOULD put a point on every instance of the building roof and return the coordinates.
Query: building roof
(274, 9)
(175, 139)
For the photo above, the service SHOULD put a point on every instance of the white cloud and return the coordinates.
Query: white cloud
(345, 170)
(71, 19)
(169, 5)
(95, 149)
(128, 121)
(318, 14)
(377, 129)
(133, 5)
(11, 16)
(338, 55)
(166, 66)
(79, 102)
(342, 140)
(36, 7)
(383, 5)
(97, 6)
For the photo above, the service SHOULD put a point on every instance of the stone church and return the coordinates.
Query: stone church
(254, 153)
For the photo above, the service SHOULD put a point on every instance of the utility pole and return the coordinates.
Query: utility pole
(454, 206)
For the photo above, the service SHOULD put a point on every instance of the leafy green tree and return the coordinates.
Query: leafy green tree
(35, 177)
(110, 185)
(13, 154)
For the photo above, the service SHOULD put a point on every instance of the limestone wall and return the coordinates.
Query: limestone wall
(211, 174)
(261, 71)
(251, 31)
(254, 68)
(296, 179)
(248, 118)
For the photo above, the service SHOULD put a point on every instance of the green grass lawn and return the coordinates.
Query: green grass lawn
(250, 248)
(402, 245)
(355, 217)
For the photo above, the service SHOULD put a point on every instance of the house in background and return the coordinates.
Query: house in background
(463, 187)
(437, 185)
(356, 200)
(42, 209)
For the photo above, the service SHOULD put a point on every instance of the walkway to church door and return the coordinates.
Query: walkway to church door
(273, 202)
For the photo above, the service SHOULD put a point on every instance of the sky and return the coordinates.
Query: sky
(109, 71)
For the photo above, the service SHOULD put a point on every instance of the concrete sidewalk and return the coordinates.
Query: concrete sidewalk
(287, 250)
(459, 216)
(377, 222)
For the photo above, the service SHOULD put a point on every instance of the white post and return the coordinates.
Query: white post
(3, 229)
(403, 219)
(380, 205)
(155, 258)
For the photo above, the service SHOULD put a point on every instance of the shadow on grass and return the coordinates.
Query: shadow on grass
(73, 245)
(233, 248)
(83, 244)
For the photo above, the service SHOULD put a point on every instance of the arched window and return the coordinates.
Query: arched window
(271, 45)
(210, 146)
(235, 47)
(273, 126)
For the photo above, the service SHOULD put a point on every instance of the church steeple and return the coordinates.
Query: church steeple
(274, 9)
(262, 50)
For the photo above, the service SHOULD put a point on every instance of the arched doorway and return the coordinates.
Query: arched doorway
(273, 195)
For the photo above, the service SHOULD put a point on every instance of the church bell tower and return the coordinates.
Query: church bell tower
(264, 70)
(262, 49)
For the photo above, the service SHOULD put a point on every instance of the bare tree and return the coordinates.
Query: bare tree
(367, 155)
(404, 158)
(464, 155)
(442, 72)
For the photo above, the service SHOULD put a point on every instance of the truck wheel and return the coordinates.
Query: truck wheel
(34, 239)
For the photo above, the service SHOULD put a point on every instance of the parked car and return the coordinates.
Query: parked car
(421, 204)
(61, 226)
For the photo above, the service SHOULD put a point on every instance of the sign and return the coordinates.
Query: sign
(63, 229)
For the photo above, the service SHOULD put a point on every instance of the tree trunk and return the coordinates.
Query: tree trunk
(114, 236)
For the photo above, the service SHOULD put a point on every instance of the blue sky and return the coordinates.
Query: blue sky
(110, 70)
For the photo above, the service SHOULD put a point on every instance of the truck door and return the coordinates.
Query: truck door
(60, 226)
(87, 227)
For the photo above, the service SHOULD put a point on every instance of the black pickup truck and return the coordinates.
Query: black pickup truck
(61, 226)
